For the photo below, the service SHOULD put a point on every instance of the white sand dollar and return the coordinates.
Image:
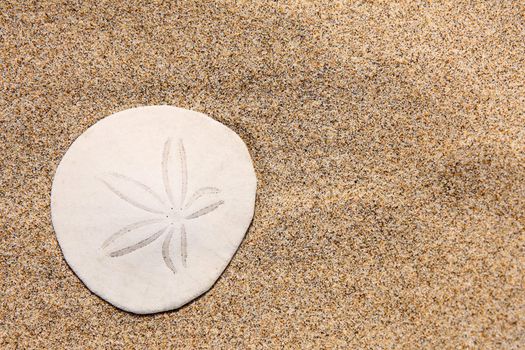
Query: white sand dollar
(150, 204)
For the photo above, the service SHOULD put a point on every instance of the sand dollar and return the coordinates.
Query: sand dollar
(150, 204)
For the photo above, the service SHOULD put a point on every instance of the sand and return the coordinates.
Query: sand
(388, 141)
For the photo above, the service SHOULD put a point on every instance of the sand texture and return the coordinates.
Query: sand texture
(389, 145)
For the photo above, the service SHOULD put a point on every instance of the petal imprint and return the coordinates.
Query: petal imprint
(142, 186)
(184, 173)
(201, 192)
(129, 228)
(183, 245)
(205, 210)
(130, 200)
(166, 252)
(165, 171)
(139, 245)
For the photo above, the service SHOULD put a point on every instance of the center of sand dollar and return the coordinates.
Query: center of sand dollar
(174, 216)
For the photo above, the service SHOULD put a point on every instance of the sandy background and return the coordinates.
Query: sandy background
(389, 144)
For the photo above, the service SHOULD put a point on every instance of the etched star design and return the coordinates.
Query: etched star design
(172, 212)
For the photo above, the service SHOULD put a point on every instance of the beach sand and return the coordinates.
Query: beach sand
(388, 141)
